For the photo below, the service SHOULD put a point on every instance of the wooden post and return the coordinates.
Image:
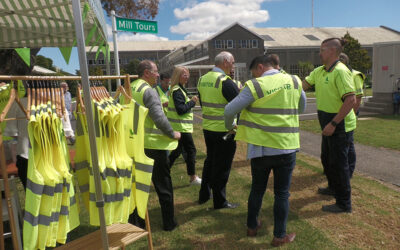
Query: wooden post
(3, 166)
(148, 229)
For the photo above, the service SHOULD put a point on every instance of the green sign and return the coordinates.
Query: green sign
(134, 25)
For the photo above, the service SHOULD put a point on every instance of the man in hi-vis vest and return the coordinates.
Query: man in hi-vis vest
(335, 94)
(216, 89)
(159, 138)
(269, 122)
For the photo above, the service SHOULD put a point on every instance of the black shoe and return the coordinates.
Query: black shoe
(326, 191)
(228, 205)
(334, 208)
(171, 228)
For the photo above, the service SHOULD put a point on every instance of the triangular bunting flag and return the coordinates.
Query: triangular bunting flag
(25, 54)
(66, 53)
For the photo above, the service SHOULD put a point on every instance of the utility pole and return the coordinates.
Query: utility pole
(312, 13)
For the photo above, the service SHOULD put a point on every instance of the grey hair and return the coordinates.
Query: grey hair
(224, 55)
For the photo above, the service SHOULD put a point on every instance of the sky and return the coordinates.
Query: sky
(198, 20)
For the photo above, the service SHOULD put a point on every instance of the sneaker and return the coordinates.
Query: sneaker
(196, 181)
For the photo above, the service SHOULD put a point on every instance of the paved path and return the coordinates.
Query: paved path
(382, 164)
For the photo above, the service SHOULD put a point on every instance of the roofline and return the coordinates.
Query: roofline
(390, 29)
(230, 26)
(193, 61)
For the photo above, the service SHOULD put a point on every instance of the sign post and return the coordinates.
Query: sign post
(130, 25)
(116, 57)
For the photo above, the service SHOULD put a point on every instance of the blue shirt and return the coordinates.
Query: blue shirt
(244, 99)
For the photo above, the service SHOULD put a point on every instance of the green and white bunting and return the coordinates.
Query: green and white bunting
(48, 23)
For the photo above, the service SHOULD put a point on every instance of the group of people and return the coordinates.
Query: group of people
(264, 112)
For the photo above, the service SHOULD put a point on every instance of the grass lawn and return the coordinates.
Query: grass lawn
(379, 131)
(371, 225)
(374, 222)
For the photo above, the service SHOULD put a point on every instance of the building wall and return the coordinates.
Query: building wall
(243, 45)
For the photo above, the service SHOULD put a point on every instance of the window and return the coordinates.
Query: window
(229, 44)
(100, 62)
(244, 44)
(254, 43)
(218, 44)
(311, 37)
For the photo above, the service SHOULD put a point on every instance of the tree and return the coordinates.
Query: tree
(45, 62)
(96, 71)
(132, 67)
(12, 64)
(305, 69)
(359, 58)
(142, 9)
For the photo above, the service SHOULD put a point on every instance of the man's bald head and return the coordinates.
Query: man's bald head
(335, 43)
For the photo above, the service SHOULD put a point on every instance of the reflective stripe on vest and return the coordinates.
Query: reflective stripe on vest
(212, 101)
(181, 123)
(268, 121)
(154, 138)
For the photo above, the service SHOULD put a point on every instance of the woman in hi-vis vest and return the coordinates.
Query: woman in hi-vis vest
(180, 115)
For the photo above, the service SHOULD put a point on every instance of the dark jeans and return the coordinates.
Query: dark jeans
(335, 160)
(22, 165)
(217, 167)
(282, 166)
(163, 184)
(352, 157)
(186, 143)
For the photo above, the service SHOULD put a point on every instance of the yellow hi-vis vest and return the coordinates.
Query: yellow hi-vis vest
(358, 84)
(163, 98)
(272, 119)
(134, 116)
(238, 83)
(154, 139)
(50, 207)
(181, 123)
(212, 101)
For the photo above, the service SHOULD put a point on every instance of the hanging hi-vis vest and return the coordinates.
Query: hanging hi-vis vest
(154, 138)
(212, 101)
(134, 116)
(182, 123)
(163, 97)
(50, 207)
(272, 119)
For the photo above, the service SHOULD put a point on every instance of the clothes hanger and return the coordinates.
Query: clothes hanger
(79, 101)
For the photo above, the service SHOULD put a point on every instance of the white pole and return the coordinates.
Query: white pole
(116, 57)
(76, 6)
(108, 70)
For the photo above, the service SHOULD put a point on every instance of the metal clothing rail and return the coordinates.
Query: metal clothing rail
(62, 78)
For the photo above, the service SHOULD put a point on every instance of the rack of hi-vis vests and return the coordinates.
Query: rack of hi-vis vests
(52, 202)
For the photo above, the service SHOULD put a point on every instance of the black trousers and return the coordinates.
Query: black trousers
(217, 167)
(334, 158)
(163, 184)
(185, 143)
